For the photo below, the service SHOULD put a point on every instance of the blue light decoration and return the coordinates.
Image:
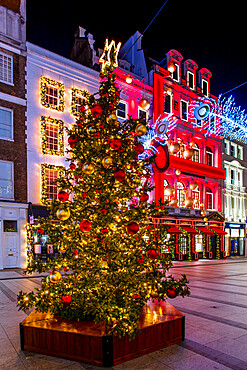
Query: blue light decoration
(157, 134)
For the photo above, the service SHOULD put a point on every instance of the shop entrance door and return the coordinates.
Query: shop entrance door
(234, 247)
(10, 244)
(213, 245)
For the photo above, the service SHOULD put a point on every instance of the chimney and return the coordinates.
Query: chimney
(83, 51)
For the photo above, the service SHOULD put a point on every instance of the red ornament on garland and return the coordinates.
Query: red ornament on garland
(144, 197)
(137, 296)
(63, 196)
(103, 211)
(72, 141)
(82, 108)
(139, 148)
(141, 259)
(85, 226)
(151, 253)
(115, 144)
(66, 300)
(96, 111)
(119, 175)
(72, 166)
(104, 230)
(84, 194)
(171, 292)
(40, 231)
(132, 227)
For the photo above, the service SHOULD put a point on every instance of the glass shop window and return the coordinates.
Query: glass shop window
(9, 226)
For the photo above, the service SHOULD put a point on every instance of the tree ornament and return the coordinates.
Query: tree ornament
(169, 190)
(55, 276)
(137, 296)
(140, 129)
(107, 162)
(151, 253)
(96, 111)
(119, 175)
(174, 148)
(104, 231)
(103, 211)
(145, 104)
(205, 219)
(72, 166)
(66, 300)
(72, 140)
(193, 186)
(203, 213)
(154, 294)
(88, 169)
(171, 292)
(85, 225)
(173, 202)
(115, 144)
(201, 205)
(132, 228)
(63, 213)
(111, 119)
(63, 196)
(189, 202)
(144, 197)
(178, 172)
(40, 231)
(139, 148)
(188, 153)
(191, 144)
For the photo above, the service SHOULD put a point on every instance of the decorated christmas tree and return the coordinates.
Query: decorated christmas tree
(110, 261)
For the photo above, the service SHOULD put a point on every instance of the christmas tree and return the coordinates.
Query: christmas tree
(110, 251)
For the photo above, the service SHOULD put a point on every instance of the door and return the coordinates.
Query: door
(213, 245)
(10, 244)
(234, 247)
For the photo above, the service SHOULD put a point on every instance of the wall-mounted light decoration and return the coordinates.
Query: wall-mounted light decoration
(128, 79)
(45, 167)
(51, 94)
(78, 96)
(52, 136)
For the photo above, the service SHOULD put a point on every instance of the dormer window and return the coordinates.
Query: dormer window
(184, 110)
(175, 74)
(190, 80)
(205, 87)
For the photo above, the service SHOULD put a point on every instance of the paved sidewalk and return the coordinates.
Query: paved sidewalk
(216, 322)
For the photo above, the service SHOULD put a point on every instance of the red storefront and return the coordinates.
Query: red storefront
(193, 183)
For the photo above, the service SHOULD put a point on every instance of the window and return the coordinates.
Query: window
(175, 74)
(233, 151)
(199, 243)
(175, 105)
(122, 110)
(9, 226)
(205, 87)
(212, 123)
(52, 139)
(240, 152)
(233, 176)
(6, 180)
(184, 244)
(168, 103)
(78, 97)
(6, 123)
(190, 79)
(51, 94)
(209, 199)
(227, 147)
(142, 114)
(196, 155)
(196, 197)
(180, 194)
(209, 156)
(49, 174)
(184, 110)
(6, 68)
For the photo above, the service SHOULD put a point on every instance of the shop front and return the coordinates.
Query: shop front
(235, 239)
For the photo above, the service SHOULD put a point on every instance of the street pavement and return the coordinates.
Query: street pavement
(215, 318)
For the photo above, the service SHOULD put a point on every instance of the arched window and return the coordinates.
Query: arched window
(180, 194)
(196, 197)
(209, 156)
(209, 199)
(196, 156)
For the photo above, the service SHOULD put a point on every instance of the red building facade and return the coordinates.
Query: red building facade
(193, 182)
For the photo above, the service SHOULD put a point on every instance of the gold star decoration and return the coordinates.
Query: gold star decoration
(109, 56)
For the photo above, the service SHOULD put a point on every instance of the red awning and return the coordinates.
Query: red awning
(174, 230)
(189, 229)
(204, 230)
(218, 230)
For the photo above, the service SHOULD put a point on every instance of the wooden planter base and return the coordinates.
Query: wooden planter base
(161, 325)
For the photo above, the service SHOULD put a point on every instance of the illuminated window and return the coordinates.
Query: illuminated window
(190, 80)
(196, 155)
(183, 244)
(175, 74)
(205, 87)
(78, 97)
(199, 243)
(122, 110)
(142, 114)
(6, 123)
(209, 156)
(196, 197)
(209, 196)
(6, 180)
(49, 174)
(6, 68)
(184, 110)
(52, 138)
(180, 194)
(51, 94)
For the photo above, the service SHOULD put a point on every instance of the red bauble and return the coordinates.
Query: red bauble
(141, 259)
(72, 166)
(132, 228)
(151, 253)
(80, 123)
(96, 111)
(84, 194)
(171, 292)
(97, 134)
(65, 269)
(103, 211)
(82, 108)
(104, 230)
(85, 225)
(115, 144)
(119, 175)
(144, 197)
(137, 296)
(63, 196)
(139, 148)
(72, 141)
(40, 231)
(66, 300)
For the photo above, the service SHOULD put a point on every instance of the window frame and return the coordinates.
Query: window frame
(196, 204)
(212, 199)
(44, 121)
(227, 147)
(142, 111)
(44, 180)
(12, 180)
(11, 63)
(240, 150)
(12, 124)
(204, 80)
(46, 82)
(212, 156)
(234, 145)
(180, 194)
(170, 103)
(126, 110)
(188, 79)
(181, 111)
(176, 70)
(196, 150)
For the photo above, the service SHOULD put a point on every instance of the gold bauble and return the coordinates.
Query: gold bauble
(88, 169)
(193, 186)
(112, 118)
(191, 144)
(63, 214)
(55, 276)
(188, 153)
(174, 148)
(107, 162)
(205, 219)
(140, 129)
(169, 190)
(203, 213)
(189, 202)
(154, 294)
(178, 172)
(173, 202)
(134, 182)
